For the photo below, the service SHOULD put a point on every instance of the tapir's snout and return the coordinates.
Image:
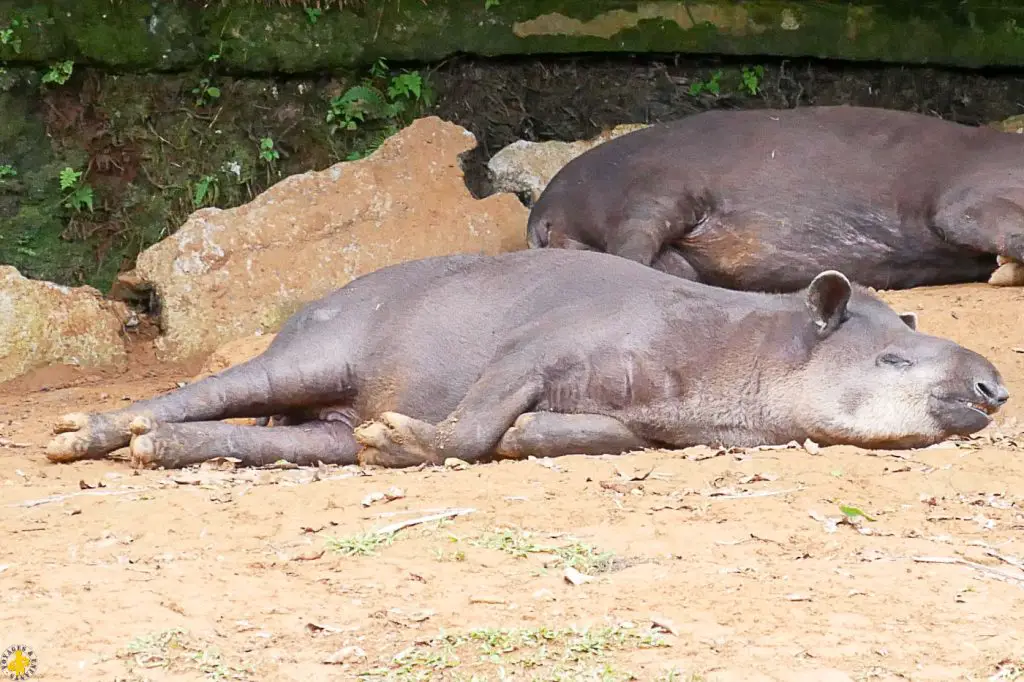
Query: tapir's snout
(992, 394)
(967, 403)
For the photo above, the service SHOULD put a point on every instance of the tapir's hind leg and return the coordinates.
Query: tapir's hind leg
(672, 262)
(261, 387)
(504, 391)
(174, 446)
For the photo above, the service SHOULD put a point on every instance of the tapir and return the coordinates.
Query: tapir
(767, 199)
(551, 352)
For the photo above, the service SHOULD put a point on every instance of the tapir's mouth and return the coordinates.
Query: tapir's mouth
(966, 413)
(986, 409)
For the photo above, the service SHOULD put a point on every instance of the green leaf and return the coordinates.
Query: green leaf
(69, 177)
(213, 91)
(853, 512)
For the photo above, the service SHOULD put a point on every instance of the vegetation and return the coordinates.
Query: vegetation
(97, 167)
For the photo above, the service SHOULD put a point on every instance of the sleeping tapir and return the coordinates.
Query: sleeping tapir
(551, 352)
(766, 199)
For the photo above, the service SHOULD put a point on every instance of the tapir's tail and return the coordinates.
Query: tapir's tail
(538, 231)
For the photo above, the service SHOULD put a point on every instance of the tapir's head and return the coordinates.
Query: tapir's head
(871, 379)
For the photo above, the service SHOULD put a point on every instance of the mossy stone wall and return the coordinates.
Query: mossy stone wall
(253, 37)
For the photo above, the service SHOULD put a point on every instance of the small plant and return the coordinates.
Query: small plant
(752, 78)
(7, 171)
(491, 3)
(59, 72)
(711, 85)
(205, 92)
(367, 101)
(78, 195)
(8, 36)
(205, 188)
(359, 545)
(312, 14)
(214, 58)
(267, 152)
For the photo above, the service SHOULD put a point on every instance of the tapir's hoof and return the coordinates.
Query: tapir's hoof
(1008, 274)
(74, 421)
(140, 425)
(392, 441)
(83, 436)
(144, 453)
(67, 447)
(371, 434)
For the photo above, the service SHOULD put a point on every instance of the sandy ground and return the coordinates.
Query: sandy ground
(715, 566)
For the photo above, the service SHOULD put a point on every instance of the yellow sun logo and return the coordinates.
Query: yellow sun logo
(18, 662)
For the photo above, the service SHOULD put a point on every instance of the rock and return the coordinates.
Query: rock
(42, 323)
(228, 274)
(234, 353)
(525, 168)
(1014, 124)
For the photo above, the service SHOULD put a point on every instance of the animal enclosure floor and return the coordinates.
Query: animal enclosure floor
(716, 566)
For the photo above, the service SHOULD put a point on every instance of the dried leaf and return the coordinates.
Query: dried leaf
(317, 628)
(573, 576)
(664, 624)
(221, 464)
(349, 653)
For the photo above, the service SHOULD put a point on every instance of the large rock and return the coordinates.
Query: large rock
(525, 168)
(42, 323)
(229, 274)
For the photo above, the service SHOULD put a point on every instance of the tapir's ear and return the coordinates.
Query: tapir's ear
(827, 298)
(909, 319)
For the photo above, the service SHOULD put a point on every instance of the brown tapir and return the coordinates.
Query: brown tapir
(766, 199)
(550, 352)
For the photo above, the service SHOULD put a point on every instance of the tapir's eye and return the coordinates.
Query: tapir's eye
(893, 360)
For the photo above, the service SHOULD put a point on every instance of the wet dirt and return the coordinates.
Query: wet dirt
(723, 566)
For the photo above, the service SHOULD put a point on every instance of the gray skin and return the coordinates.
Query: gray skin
(554, 352)
(766, 199)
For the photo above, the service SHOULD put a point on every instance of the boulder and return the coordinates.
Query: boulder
(42, 323)
(229, 274)
(525, 168)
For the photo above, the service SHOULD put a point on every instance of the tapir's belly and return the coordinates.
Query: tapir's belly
(783, 250)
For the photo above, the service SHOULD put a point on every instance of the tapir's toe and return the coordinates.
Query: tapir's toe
(373, 434)
(67, 447)
(1008, 274)
(140, 425)
(143, 451)
(86, 436)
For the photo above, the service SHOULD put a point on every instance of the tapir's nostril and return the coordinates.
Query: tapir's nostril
(993, 393)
